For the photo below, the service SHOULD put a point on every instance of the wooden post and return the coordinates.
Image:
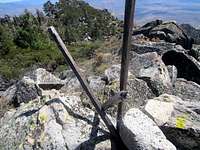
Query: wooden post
(85, 86)
(128, 27)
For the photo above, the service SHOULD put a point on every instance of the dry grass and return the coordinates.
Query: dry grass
(4, 106)
(106, 55)
(111, 45)
(103, 57)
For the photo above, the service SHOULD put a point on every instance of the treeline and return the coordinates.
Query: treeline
(77, 20)
(24, 40)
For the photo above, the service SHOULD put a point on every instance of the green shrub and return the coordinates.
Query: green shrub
(84, 50)
(6, 40)
(24, 41)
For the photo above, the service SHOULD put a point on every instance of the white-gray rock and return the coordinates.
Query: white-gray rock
(187, 90)
(67, 74)
(4, 83)
(150, 68)
(173, 73)
(166, 109)
(96, 84)
(195, 51)
(72, 86)
(9, 94)
(26, 91)
(138, 93)
(139, 132)
(113, 73)
(45, 79)
(177, 117)
(60, 123)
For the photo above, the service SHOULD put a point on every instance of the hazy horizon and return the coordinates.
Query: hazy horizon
(183, 11)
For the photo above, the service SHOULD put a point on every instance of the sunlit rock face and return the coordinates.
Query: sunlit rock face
(138, 131)
(177, 117)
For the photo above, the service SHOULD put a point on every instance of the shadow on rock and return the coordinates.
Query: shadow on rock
(186, 67)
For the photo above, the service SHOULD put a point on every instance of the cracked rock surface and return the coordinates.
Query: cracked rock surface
(59, 123)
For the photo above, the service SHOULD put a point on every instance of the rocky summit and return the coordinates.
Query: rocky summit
(43, 110)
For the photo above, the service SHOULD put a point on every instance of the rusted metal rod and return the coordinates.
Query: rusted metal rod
(83, 82)
(128, 27)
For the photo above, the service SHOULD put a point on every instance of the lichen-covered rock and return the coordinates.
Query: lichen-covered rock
(29, 87)
(71, 86)
(168, 31)
(15, 126)
(173, 73)
(9, 94)
(4, 83)
(161, 47)
(23, 91)
(138, 90)
(60, 123)
(45, 79)
(26, 91)
(147, 27)
(172, 33)
(192, 32)
(139, 132)
(195, 52)
(149, 65)
(138, 93)
(178, 119)
(67, 74)
(187, 90)
(113, 73)
(96, 83)
(150, 68)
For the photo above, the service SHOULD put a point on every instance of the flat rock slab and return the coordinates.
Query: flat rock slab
(45, 79)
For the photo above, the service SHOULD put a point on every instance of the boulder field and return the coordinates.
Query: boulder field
(162, 109)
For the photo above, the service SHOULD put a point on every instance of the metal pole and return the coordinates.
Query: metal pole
(118, 143)
(128, 27)
(82, 81)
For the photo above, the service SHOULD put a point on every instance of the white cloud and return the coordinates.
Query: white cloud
(8, 1)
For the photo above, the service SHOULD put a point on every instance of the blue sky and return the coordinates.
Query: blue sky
(25, 1)
(8, 1)
(184, 11)
(16, 7)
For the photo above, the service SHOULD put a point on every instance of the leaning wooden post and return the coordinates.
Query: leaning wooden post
(128, 27)
(86, 88)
